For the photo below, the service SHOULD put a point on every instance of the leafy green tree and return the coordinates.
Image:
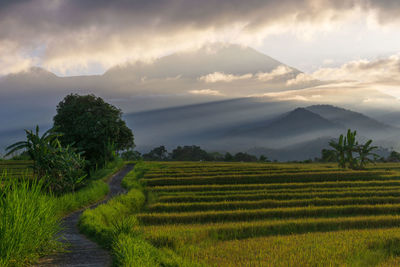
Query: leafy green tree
(158, 153)
(190, 153)
(93, 126)
(131, 155)
(394, 157)
(329, 155)
(241, 156)
(228, 157)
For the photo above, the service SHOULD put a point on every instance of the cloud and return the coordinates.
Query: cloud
(277, 72)
(300, 79)
(11, 60)
(206, 92)
(222, 77)
(380, 70)
(76, 35)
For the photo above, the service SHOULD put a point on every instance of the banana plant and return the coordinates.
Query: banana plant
(37, 147)
(351, 146)
(365, 153)
(339, 148)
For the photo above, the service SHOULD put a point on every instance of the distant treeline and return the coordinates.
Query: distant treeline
(190, 153)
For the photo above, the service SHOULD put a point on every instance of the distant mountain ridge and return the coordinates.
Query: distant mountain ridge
(348, 118)
(228, 59)
(299, 133)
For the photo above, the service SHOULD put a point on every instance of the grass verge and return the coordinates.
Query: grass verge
(30, 219)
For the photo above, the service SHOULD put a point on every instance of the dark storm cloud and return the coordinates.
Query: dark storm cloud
(81, 32)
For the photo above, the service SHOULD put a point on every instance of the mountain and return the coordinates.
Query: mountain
(256, 126)
(228, 59)
(349, 119)
(297, 122)
(392, 118)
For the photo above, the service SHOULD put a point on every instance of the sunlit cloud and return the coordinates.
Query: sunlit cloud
(222, 77)
(206, 92)
(276, 73)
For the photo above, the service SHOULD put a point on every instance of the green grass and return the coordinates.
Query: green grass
(28, 223)
(30, 219)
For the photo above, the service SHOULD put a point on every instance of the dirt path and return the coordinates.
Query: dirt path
(82, 251)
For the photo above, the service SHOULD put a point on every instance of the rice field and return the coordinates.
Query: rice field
(272, 214)
(16, 168)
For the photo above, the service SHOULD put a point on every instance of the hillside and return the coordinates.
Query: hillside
(229, 59)
(348, 118)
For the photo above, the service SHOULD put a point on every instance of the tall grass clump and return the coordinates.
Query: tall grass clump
(28, 222)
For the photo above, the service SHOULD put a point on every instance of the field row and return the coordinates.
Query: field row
(194, 233)
(272, 186)
(280, 178)
(280, 196)
(287, 191)
(267, 214)
(262, 204)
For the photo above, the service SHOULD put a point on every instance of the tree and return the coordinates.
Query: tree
(158, 153)
(241, 156)
(394, 157)
(131, 155)
(189, 153)
(329, 155)
(228, 157)
(93, 126)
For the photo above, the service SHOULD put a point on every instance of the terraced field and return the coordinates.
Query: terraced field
(249, 214)
(15, 168)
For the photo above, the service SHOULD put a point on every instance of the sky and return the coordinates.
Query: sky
(73, 37)
(349, 45)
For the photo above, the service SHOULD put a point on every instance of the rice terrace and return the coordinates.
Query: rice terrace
(183, 133)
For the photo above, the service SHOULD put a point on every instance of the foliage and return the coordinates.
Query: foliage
(61, 168)
(345, 149)
(93, 126)
(196, 153)
(30, 219)
(28, 222)
(394, 157)
(189, 153)
(38, 148)
(157, 154)
(131, 155)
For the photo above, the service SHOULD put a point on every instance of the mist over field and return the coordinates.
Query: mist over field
(247, 80)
